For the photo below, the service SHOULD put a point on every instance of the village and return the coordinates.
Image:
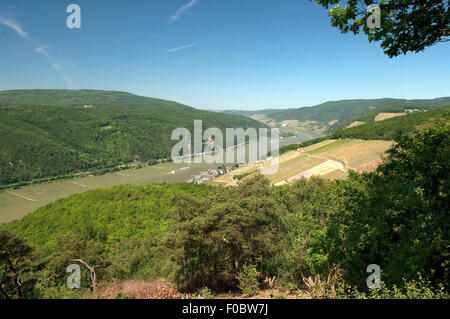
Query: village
(212, 174)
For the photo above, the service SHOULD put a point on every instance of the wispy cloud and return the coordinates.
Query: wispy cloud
(64, 68)
(11, 23)
(183, 10)
(183, 47)
(42, 49)
(56, 66)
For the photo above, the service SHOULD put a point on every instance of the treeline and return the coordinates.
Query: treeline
(387, 130)
(351, 110)
(233, 238)
(390, 128)
(55, 135)
(293, 147)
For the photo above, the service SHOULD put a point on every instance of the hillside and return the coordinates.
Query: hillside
(329, 158)
(79, 98)
(229, 239)
(359, 148)
(329, 116)
(55, 132)
(388, 129)
(355, 109)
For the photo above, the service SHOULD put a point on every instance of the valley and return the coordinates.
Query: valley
(123, 206)
(16, 203)
(241, 150)
(320, 120)
(52, 133)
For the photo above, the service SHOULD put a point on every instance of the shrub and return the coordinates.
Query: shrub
(248, 280)
(207, 293)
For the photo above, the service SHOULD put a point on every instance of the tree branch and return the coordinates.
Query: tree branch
(92, 273)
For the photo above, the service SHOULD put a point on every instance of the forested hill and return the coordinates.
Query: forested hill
(297, 233)
(55, 132)
(336, 114)
(355, 109)
(79, 98)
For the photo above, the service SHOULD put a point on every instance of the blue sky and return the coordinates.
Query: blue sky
(211, 54)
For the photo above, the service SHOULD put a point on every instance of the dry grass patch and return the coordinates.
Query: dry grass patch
(317, 145)
(331, 123)
(324, 168)
(385, 116)
(356, 123)
(290, 123)
(357, 154)
(294, 167)
(140, 289)
(336, 174)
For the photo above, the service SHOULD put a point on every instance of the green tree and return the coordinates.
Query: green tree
(396, 218)
(406, 26)
(69, 248)
(15, 265)
(215, 236)
(308, 206)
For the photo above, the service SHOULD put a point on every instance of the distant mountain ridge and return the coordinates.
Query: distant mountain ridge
(46, 133)
(345, 105)
(335, 114)
(79, 98)
(352, 109)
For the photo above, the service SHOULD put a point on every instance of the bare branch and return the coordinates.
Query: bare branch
(92, 273)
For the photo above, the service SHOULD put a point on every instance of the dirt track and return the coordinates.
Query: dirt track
(342, 165)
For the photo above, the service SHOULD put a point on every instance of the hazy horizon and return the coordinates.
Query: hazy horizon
(231, 108)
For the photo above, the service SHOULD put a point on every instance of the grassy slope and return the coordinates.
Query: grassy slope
(359, 155)
(49, 133)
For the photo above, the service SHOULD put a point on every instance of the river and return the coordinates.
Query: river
(14, 204)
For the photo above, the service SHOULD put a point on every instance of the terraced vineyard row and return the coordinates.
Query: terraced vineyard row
(330, 159)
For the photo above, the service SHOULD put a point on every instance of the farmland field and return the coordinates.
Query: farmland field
(356, 123)
(385, 116)
(330, 159)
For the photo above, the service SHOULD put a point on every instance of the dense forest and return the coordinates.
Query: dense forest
(347, 111)
(46, 133)
(198, 236)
